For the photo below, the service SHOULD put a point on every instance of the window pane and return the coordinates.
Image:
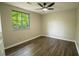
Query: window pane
(20, 20)
(24, 20)
(14, 19)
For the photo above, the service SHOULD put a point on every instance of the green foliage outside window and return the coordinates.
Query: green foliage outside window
(20, 20)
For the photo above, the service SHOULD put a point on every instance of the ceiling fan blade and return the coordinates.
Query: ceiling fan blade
(50, 8)
(51, 4)
(44, 4)
(40, 4)
(29, 3)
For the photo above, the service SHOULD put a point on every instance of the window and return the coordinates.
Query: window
(20, 20)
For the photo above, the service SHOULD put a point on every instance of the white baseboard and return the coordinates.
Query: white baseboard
(22, 42)
(60, 38)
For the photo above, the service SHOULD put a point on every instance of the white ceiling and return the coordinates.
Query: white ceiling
(59, 6)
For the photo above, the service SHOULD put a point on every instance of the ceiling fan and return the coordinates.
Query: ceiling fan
(45, 6)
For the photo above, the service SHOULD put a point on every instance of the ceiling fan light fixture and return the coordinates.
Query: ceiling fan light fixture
(44, 9)
(46, 6)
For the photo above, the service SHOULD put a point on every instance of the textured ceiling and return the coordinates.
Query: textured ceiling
(32, 6)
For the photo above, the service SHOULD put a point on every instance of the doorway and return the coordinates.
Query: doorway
(2, 52)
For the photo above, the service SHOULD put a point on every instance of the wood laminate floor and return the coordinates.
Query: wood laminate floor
(44, 46)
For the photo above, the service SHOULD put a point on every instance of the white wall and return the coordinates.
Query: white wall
(13, 37)
(60, 24)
